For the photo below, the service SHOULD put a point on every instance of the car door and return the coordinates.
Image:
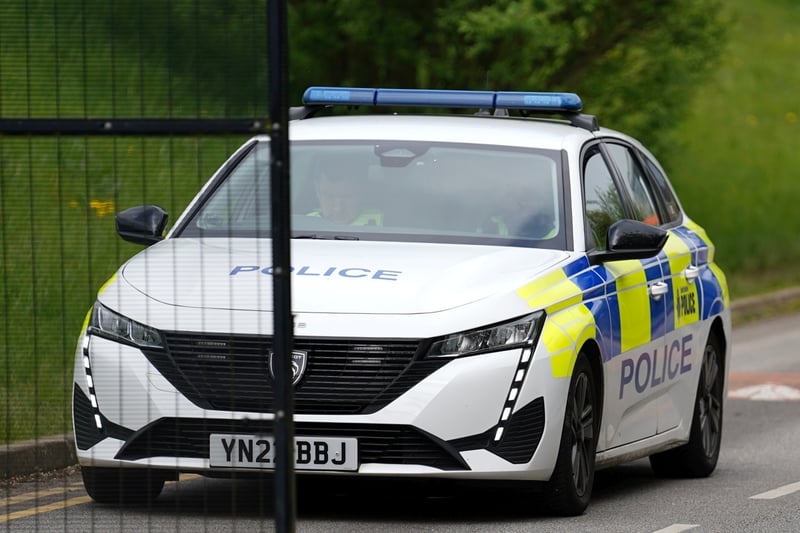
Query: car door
(680, 261)
(686, 258)
(635, 296)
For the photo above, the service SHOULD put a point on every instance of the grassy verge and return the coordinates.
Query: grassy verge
(58, 196)
(58, 245)
(735, 164)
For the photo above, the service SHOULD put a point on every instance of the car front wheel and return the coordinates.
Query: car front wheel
(570, 487)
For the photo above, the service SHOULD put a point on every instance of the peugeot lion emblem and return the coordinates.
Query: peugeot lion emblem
(299, 361)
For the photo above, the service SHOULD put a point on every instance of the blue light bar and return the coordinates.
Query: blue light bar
(543, 101)
(532, 101)
(339, 95)
(434, 98)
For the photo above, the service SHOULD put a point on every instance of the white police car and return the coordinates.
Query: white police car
(477, 296)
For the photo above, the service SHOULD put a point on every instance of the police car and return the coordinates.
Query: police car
(510, 292)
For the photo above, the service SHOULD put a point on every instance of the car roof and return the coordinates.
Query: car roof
(506, 131)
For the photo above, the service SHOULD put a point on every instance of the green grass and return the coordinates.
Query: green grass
(58, 196)
(58, 245)
(734, 166)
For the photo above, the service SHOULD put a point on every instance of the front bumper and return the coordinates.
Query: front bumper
(444, 424)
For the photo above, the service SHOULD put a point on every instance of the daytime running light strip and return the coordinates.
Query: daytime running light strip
(513, 393)
(87, 368)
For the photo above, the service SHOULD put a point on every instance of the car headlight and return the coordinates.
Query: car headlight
(497, 337)
(112, 325)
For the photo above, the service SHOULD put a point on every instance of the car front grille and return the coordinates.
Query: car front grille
(384, 444)
(343, 376)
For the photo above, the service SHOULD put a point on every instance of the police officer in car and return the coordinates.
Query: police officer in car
(340, 188)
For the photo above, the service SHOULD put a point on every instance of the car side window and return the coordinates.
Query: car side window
(602, 201)
(672, 211)
(635, 181)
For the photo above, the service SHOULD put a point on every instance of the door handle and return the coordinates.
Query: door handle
(658, 289)
(691, 273)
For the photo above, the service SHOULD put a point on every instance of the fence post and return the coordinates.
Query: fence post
(285, 507)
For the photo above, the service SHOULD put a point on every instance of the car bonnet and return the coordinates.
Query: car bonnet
(362, 277)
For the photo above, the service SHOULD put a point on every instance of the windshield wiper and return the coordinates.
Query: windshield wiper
(335, 237)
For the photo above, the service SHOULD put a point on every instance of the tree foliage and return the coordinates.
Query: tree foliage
(213, 52)
(634, 63)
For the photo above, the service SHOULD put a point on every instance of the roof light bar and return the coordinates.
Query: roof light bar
(434, 98)
(532, 101)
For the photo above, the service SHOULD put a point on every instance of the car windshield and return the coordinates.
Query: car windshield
(395, 191)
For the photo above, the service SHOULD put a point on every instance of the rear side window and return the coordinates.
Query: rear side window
(635, 182)
(672, 211)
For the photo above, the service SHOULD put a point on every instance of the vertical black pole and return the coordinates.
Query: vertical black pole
(285, 508)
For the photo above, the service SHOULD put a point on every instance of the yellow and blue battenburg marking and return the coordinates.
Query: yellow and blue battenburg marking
(611, 303)
(103, 287)
(713, 283)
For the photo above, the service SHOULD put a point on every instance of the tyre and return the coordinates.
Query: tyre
(122, 486)
(698, 457)
(570, 487)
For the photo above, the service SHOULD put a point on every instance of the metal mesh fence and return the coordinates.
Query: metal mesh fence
(104, 105)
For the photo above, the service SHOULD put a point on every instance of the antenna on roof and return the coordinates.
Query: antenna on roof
(484, 111)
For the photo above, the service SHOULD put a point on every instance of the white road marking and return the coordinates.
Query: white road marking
(677, 528)
(766, 392)
(777, 493)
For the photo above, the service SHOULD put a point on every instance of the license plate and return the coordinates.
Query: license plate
(258, 451)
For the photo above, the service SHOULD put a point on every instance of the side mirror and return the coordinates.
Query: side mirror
(631, 239)
(143, 224)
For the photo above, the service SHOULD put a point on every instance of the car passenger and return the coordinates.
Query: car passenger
(522, 211)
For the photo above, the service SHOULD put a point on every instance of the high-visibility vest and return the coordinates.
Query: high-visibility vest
(369, 217)
(499, 227)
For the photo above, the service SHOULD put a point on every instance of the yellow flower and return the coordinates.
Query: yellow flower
(102, 208)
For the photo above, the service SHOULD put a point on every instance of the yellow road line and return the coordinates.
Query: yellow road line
(63, 504)
(44, 508)
(11, 500)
